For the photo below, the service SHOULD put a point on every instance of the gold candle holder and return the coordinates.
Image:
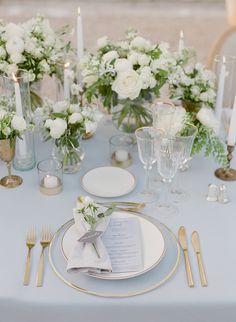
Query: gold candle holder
(7, 153)
(227, 174)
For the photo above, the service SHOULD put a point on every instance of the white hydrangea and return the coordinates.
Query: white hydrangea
(15, 45)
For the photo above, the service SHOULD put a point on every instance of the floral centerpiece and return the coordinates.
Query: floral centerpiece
(65, 123)
(33, 47)
(126, 75)
(194, 85)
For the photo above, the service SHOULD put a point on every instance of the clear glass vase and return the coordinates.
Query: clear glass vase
(71, 155)
(129, 115)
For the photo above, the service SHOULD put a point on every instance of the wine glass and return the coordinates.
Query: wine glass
(146, 141)
(186, 138)
(7, 153)
(168, 153)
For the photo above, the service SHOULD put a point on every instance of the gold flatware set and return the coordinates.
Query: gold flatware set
(46, 238)
(196, 246)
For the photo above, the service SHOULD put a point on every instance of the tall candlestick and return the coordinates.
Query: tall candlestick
(181, 41)
(80, 41)
(19, 111)
(220, 90)
(232, 126)
(66, 82)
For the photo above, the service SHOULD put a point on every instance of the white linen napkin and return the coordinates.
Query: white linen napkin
(83, 257)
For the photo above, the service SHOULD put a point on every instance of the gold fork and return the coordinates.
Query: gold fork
(45, 241)
(30, 242)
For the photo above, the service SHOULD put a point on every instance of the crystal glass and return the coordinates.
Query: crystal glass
(186, 139)
(17, 88)
(121, 150)
(168, 153)
(146, 141)
(50, 176)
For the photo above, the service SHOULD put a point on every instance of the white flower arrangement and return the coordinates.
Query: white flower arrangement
(32, 46)
(11, 125)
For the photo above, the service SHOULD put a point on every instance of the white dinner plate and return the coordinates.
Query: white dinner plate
(108, 182)
(153, 246)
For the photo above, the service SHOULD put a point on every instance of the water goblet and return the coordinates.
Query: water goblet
(7, 153)
(168, 154)
(186, 139)
(146, 141)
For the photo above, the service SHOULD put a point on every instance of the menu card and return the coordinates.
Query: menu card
(123, 241)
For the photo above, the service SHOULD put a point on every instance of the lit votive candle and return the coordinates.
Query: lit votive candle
(50, 185)
(121, 158)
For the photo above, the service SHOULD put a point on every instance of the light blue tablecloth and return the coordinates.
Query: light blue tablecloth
(173, 302)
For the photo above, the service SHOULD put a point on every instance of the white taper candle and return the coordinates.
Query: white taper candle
(232, 126)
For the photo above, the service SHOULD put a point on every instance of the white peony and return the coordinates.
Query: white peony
(102, 42)
(57, 128)
(15, 45)
(18, 123)
(16, 58)
(90, 127)
(141, 43)
(127, 84)
(111, 55)
(207, 117)
(133, 58)
(143, 60)
(122, 64)
(75, 118)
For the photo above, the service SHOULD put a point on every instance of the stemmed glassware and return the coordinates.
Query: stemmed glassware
(168, 153)
(186, 139)
(147, 138)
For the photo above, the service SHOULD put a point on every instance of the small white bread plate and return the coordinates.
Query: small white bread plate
(153, 246)
(108, 182)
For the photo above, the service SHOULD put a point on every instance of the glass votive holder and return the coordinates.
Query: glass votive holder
(121, 150)
(50, 176)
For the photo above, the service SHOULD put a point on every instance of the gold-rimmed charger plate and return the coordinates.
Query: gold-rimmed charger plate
(150, 235)
(118, 288)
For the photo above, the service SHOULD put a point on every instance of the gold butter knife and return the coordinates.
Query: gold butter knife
(183, 244)
(197, 249)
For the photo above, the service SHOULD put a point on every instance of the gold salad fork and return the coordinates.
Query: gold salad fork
(45, 241)
(30, 243)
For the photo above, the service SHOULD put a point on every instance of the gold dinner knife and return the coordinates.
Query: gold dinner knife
(183, 244)
(197, 249)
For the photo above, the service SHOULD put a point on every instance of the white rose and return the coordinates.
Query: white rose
(110, 56)
(2, 114)
(141, 43)
(133, 58)
(75, 118)
(207, 117)
(122, 65)
(90, 127)
(48, 123)
(143, 60)
(102, 42)
(13, 30)
(57, 128)
(18, 123)
(15, 45)
(16, 58)
(127, 84)
(195, 90)
(60, 107)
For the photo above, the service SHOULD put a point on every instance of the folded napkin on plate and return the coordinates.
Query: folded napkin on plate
(83, 257)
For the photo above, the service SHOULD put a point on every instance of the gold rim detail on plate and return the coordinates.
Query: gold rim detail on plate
(114, 295)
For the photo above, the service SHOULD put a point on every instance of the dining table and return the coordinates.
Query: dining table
(173, 301)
